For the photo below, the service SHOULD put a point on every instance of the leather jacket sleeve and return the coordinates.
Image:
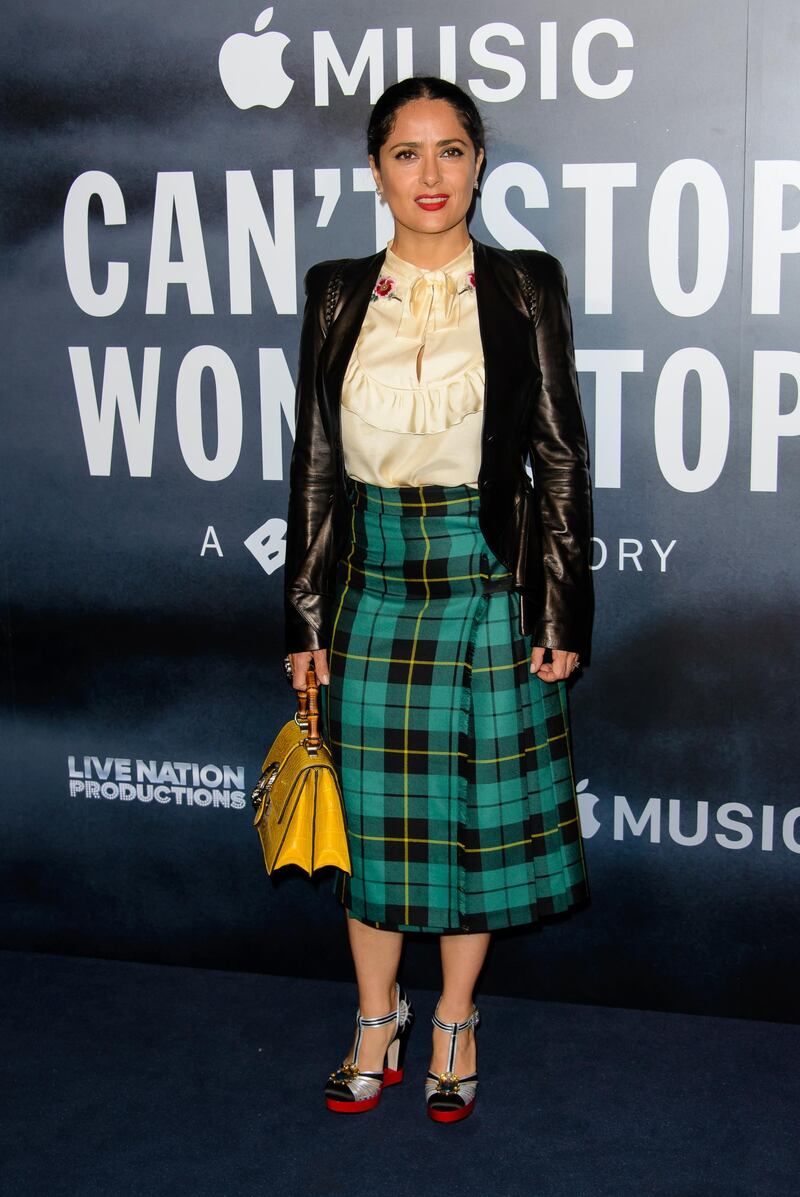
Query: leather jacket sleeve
(311, 486)
(562, 487)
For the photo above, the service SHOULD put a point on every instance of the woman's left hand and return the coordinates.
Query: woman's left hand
(556, 670)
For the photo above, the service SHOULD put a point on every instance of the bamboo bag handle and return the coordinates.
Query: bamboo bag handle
(308, 710)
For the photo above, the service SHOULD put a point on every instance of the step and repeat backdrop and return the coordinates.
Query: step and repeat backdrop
(170, 174)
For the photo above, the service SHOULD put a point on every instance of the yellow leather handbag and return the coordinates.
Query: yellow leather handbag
(299, 809)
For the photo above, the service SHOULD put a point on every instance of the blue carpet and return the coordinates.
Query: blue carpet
(125, 1079)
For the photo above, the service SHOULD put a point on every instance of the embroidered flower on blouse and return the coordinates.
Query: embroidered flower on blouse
(469, 282)
(383, 288)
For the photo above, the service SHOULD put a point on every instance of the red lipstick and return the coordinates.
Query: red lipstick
(431, 203)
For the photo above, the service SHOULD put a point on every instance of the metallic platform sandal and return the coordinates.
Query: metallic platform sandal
(450, 1097)
(350, 1091)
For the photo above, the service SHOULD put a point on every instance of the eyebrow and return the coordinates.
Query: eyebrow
(444, 141)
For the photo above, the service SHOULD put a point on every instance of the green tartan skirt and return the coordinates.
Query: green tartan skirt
(454, 759)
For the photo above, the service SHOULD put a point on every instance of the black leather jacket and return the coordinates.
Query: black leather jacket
(531, 405)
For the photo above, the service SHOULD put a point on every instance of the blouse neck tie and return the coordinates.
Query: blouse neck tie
(433, 294)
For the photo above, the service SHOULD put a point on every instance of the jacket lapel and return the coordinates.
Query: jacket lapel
(340, 342)
(506, 333)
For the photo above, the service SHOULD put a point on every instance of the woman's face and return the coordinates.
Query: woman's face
(428, 156)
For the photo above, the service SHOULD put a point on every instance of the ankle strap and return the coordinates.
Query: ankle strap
(453, 1028)
(381, 1021)
(383, 1018)
(376, 1022)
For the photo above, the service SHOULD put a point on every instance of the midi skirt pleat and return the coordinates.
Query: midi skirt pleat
(454, 759)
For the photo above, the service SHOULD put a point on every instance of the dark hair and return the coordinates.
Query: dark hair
(422, 87)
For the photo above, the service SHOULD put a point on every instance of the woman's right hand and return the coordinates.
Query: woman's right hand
(300, 663)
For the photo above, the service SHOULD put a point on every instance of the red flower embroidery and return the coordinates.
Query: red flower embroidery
(384, 286)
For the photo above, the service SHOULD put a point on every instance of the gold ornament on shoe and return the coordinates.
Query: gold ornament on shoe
(448, 1082)
(347, 1072)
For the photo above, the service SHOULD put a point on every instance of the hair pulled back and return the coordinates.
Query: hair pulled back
(422, 87)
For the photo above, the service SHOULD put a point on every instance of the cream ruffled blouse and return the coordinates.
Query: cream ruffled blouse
(412, 394)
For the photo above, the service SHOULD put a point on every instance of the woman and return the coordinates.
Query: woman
(428, 580)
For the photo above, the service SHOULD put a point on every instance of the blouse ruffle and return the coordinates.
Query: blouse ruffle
(429, 408)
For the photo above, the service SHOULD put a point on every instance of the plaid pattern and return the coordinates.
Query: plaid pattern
(454, 759)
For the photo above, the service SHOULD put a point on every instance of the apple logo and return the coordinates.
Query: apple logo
(251, 69)
(590, 824)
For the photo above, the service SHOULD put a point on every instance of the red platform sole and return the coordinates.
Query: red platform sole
(451, 1115)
